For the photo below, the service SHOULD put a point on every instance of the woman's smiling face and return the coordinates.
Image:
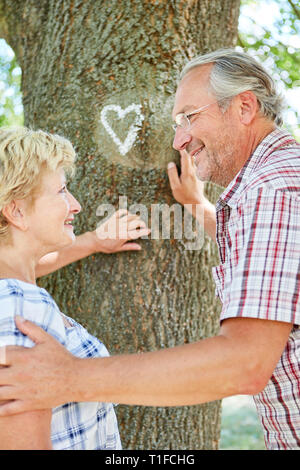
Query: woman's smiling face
(50, 219)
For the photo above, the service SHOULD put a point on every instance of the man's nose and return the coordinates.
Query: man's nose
(181, 139)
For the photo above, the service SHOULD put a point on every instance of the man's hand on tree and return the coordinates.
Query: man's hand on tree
(186, 188)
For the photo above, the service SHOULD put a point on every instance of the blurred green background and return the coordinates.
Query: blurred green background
(240, 428)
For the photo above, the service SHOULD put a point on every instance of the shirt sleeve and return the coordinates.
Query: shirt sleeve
(33, 304)
(262, 272)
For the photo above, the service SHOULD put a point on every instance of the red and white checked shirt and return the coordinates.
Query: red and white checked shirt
(258, 235)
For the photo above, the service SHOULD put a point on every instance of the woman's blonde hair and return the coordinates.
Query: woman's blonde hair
(24, 155)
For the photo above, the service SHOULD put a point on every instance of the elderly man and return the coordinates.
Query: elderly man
(226, 115)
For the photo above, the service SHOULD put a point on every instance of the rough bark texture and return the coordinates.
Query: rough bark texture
(78, 56)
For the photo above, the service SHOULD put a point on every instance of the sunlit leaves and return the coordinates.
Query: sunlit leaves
(11, 112)
(270, 29)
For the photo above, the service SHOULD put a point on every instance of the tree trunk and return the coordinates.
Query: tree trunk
(84, 63)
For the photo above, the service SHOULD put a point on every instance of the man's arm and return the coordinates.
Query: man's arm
(240, 360)
(188, 190)
(124, 227)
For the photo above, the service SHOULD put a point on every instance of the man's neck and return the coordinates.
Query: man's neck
(250, 141)
(257, 134)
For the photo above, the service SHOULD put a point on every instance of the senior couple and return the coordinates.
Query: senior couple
(227, 117)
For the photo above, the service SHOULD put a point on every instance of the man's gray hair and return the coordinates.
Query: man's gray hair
(234, 72)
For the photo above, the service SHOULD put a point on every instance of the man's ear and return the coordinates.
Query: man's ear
(15, 214)
(248, 107)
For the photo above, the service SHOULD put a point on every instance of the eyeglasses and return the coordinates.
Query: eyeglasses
(182, 120)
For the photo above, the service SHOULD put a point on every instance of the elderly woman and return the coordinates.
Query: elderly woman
(37, 213)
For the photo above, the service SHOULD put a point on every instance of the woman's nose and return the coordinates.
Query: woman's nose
(75, 207)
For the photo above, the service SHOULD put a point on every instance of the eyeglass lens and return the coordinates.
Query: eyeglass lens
(182, 120)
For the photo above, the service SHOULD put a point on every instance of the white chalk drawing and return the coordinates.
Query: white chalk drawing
(125, 146)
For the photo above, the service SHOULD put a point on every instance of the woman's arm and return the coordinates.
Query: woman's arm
(111, 237)
(26, 431)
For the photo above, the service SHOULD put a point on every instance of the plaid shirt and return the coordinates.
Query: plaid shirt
(258, 235)
(74, 426)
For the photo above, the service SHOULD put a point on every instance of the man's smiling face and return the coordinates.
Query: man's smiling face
(213, 137)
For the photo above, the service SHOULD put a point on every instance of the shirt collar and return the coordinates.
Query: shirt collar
(275, 139)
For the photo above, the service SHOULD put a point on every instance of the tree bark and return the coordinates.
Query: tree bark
(78, 57)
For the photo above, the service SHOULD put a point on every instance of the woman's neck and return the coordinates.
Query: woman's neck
(17, 263)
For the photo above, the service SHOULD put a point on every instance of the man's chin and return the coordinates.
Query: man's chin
(202, 175)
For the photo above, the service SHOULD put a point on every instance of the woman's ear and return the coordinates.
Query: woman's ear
(15, 214)
(248, 107)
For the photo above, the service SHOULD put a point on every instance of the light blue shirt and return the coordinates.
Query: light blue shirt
(74, 426)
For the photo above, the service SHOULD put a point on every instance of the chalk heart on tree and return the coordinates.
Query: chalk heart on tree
(123, 146)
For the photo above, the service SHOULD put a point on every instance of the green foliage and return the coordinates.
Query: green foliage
(11, 112)
(276, 44)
